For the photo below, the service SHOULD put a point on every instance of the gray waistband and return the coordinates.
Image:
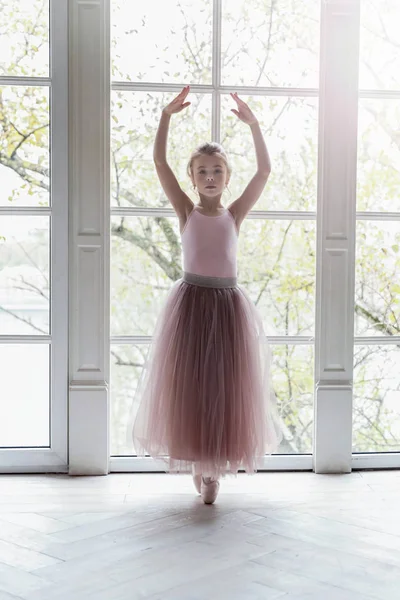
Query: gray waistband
(205, 281)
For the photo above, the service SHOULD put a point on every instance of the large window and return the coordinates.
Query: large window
(376, 418)
(33, 210)
(269, 53)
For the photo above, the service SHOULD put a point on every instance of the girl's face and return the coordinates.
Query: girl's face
(210, 175)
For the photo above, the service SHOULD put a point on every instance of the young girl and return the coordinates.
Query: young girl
(206, 403)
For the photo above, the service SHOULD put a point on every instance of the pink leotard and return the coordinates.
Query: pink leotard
(209, 244)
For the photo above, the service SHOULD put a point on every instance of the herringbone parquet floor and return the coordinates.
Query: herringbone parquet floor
(288, 536)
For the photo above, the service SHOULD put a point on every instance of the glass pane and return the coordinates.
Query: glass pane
(162, 41)
(293, 381)
(24, 400)
(135, 119)
(25, 148)
(126, 368)
(270, 44)
(290, 128)
(378, 177)
(24, 38)
(146, 260)
(376, 407)
(379, 45)
(276, 264)
(24, 275)
(377, 292)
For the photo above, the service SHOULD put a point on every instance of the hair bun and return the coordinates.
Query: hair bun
(210, 148)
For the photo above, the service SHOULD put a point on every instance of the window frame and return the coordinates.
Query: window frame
(55, 457)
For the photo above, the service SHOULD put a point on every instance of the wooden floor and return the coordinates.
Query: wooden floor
(272, 535)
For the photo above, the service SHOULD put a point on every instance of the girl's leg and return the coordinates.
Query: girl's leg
(196, 478)
(206, 484)
(209, 489)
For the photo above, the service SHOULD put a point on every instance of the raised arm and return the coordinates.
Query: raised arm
(254, 189)
(180, 201)
(160, 142)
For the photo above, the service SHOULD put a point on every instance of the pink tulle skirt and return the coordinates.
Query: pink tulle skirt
(205, 396)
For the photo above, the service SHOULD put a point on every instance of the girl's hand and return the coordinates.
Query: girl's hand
(244, 113)
(176, 105)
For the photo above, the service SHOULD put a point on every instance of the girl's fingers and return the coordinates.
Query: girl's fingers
(237, 97)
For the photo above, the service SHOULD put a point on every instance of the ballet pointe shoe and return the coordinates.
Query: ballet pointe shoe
(209, 489)
(196, 481)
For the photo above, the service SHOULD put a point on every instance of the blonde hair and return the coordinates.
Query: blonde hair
(209, 148)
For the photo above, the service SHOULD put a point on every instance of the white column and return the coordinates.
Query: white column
(336, 236)
(89, 80)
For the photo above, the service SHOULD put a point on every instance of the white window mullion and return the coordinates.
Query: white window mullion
(198, 88)
(89, 130)
(216, 72)
(25, 81)
(336, 218)
(59, 227)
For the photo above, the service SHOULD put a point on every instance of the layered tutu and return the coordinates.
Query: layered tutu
(205, 395)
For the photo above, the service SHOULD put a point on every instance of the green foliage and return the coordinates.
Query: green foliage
(272, 44)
